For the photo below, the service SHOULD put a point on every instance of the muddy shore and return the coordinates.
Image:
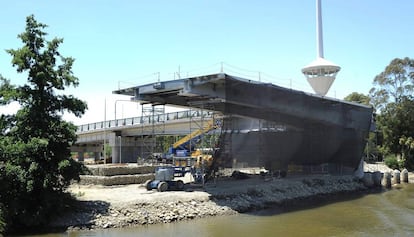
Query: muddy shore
(132, 205)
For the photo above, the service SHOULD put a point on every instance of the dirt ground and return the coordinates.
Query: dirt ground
(130, 193)
(137, 193)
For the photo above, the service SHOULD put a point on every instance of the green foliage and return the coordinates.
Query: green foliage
(392, 98)
(407, 144)
(392, 162)
(7, 91)
(396, 121)
(163, 143)
(107, 150)
(35, 163)
(358, 98)
(394, 83)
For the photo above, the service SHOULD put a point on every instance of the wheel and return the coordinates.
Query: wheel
(147, 184)
(162, 187)
(180, 185)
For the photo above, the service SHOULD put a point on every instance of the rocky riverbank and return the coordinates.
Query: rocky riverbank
(130, 205)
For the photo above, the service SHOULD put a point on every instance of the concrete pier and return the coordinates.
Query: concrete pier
(376, 178)
(367, 180)
(372, 179)
(386, 180)
(396, 178)
(404, 175)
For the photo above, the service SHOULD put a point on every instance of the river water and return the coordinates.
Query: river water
(388, 213)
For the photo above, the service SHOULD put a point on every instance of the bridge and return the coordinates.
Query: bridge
(133, 137)
(262, 124)
(267, 125)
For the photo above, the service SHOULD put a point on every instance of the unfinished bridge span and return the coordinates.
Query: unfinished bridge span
(270, 126)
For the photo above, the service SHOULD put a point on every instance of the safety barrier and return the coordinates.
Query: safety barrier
(143, 120)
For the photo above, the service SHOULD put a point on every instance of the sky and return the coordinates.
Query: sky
(120, 44)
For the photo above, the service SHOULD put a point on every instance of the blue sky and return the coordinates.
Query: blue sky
(127, 43)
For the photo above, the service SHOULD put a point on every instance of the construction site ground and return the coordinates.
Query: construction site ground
(130, 205)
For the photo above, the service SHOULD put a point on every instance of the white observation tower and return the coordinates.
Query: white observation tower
(320, 73)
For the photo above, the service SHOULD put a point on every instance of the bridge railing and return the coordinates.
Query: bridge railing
(144, 120)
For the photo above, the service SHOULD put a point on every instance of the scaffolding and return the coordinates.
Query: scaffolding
(203, 116)
(153, 123)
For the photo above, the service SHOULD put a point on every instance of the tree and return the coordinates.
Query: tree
(394, 83)
(35, 163)
(407, 144)
(392, 98)
(396, 122)
(358, 98)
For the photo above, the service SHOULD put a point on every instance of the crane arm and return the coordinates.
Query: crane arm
(208, 127)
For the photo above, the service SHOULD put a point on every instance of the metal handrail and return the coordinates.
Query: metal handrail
(149, 119)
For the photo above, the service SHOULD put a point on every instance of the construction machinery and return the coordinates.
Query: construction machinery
(185, 159)
(165, 179)
(185, 147)
(184, 152)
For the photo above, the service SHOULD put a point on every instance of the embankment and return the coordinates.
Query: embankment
(130, 205)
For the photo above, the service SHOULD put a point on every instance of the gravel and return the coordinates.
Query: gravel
(102, 207)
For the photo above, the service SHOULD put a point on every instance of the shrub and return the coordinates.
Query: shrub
(392, 162)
